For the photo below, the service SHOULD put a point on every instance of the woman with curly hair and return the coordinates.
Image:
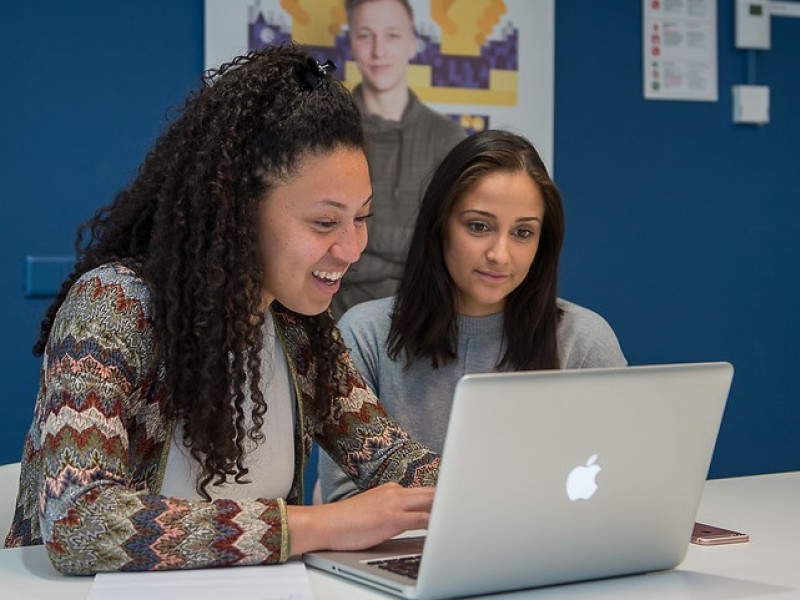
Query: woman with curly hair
(189, 361)
(478, 294)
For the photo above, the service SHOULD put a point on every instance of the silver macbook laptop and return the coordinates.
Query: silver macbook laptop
(557, 476)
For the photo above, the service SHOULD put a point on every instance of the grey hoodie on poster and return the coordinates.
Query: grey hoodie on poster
(401, 156)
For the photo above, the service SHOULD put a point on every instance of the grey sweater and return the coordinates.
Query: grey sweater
(401, 156)
(419, 398)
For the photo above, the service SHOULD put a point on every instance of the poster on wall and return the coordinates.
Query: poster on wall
(483, 63)
(680, 49)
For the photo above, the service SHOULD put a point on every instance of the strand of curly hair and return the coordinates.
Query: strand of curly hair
(186, 224)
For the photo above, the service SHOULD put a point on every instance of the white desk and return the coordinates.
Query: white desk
(768, 567)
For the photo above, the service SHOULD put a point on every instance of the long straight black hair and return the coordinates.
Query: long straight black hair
(424, 320)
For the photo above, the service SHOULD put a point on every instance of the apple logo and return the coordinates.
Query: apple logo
(580, 481)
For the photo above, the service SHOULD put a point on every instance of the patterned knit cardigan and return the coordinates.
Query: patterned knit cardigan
(94, 457)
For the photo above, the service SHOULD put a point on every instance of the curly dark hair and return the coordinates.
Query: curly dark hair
(424, 320)
(186, 224)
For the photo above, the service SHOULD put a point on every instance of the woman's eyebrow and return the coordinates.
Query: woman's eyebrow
(489, 215)
(483, 213)
(341, 205)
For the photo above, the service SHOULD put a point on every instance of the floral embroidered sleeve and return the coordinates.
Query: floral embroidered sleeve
(93, 453)
(363, 439)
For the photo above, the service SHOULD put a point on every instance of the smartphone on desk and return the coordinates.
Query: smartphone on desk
(709, 535)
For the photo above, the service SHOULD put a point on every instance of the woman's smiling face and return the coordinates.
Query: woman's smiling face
(312, 227)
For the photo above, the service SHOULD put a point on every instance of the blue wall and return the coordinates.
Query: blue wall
(84, 92)
(682, 228)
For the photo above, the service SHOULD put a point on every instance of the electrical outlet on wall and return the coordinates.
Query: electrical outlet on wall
(752, 24)
(751, 104)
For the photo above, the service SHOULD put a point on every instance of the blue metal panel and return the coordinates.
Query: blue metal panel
(45, 274)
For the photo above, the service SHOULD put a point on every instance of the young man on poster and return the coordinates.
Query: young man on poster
(406, 140)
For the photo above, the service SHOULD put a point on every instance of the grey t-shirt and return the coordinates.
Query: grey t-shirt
(419, 398)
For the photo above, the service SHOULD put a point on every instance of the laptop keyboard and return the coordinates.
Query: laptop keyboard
(402, 565)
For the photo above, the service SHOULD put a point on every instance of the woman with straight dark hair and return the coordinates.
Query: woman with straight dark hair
(478, 294)
(190, 361)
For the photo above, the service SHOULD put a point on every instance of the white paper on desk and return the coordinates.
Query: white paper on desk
(288, 581)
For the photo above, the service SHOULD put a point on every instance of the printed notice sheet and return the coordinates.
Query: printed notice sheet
(288, 581)
(680, 49)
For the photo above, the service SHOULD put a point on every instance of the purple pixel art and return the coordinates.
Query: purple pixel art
(471, 123)
(261, 33)
(447, 70)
